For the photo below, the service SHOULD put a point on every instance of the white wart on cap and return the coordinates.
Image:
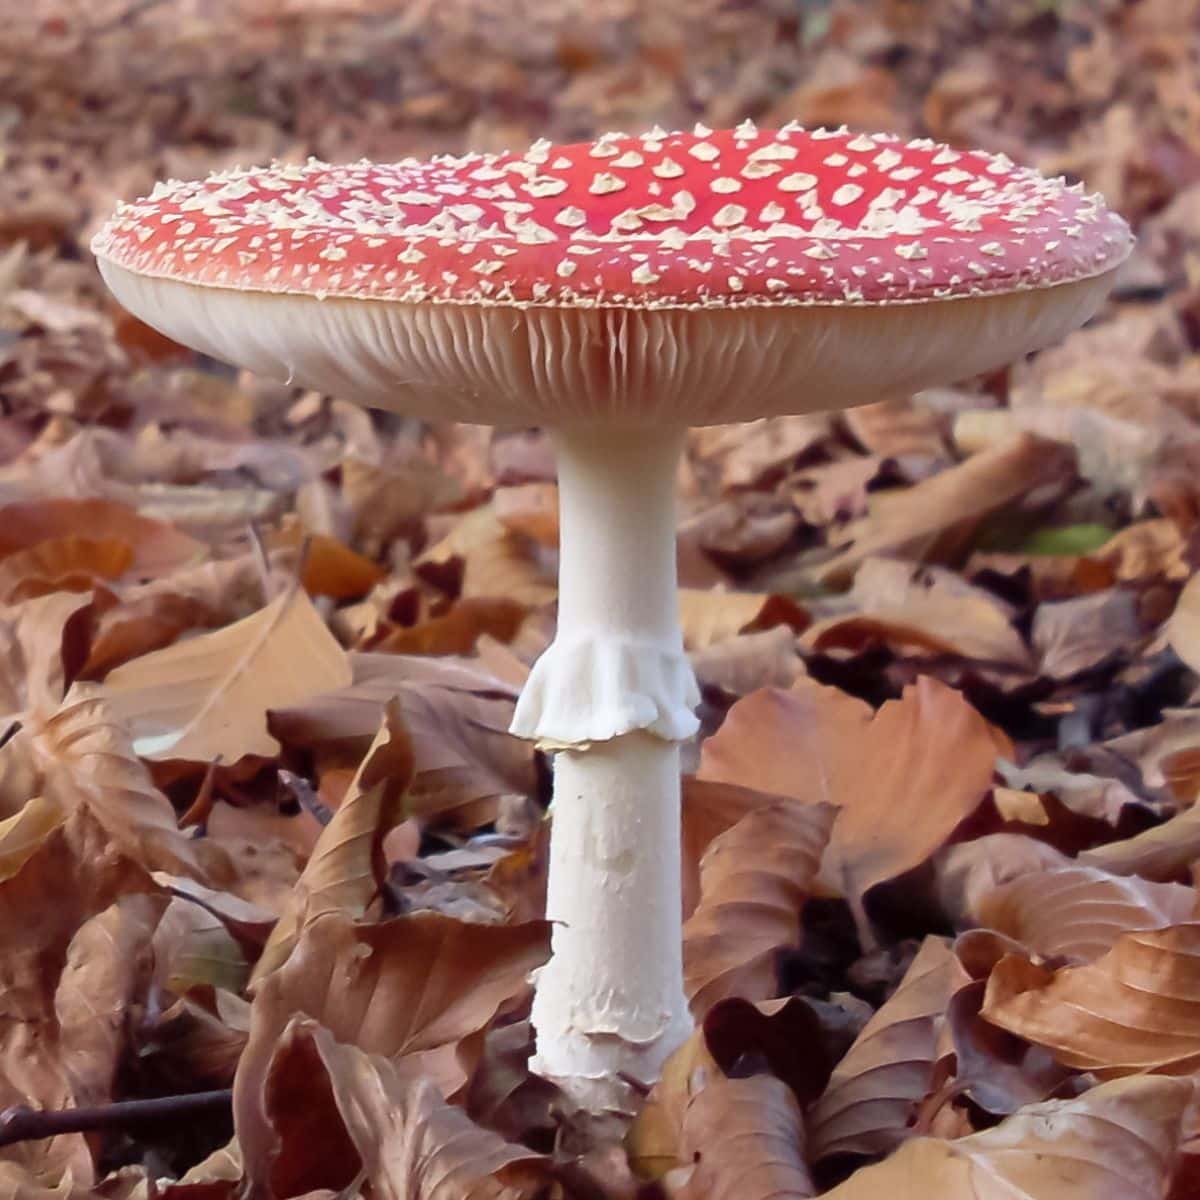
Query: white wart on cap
(668, 278)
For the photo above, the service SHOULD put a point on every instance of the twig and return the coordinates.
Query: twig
(23, 1124)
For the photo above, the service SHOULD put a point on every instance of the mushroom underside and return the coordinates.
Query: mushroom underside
(502, 364)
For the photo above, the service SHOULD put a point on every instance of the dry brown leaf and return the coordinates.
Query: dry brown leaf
(157, 547)
(903, 777)
(1119, 1141)
(136, 627)
(346, 868)
(1163, 852)
(207, 698)
(67, 564)
(529, 509)
(930, 609)
(902, 428)
(874, 1093)
(413, 989)
(1083, 634)
(785, 1035)
(495, 561)
(710, 617)
(332, 569)
(409, 1143)
(1078, 913)
(1134, 1010)
(754, 879)
(1183, 629)
(456, 631)
(935, 519)
(193, 948)
(750, 661)
(85, 760)
(457, 714)
(746, 1139)
(744, 455)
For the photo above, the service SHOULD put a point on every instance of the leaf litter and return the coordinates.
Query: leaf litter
(262, 827)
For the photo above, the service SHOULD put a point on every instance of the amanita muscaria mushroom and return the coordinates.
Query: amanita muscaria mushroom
(618, 292)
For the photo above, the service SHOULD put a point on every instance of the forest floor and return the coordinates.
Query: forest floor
(972, 615)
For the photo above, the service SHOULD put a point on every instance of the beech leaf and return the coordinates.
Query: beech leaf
(873, 1095)
(207, 698)
(1118, 1141)
(1136, 1009)
(754, 879)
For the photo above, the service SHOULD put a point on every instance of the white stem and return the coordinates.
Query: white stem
(614, 695)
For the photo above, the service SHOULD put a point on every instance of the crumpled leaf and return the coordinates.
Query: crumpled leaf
(1079, 912)
(68, 564)
(412, 988)
(746, 1139)
(902, 778)
(406, 1140)
(1136, 1009)
(928, 609)
(712, 616)
(157, 547)
(871, 1102)
(1118, 1141)
(456, 712)
(935, 520)
(346, 868)
(207, 698)
(1183, 629)
(754, 879)
(1162, 852)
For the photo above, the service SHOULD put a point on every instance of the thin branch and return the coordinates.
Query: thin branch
(22, 1124)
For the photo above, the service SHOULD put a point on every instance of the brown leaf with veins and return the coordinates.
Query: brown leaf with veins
(746, 1139)
(1119, 1141)
(1163, 852)
(1183, 629)
(754, 880)
(413, 989)
(66, 564)
(346, 869)
(457, 714)
(207, 698)
(1073, 636)
(1134, 1010)
(408, 1142)
(85, 760)
(873, 1095)
(935, 520)
(930, 609)
(157, 547)
(903, 777)
(1079, 912)
(713, 616)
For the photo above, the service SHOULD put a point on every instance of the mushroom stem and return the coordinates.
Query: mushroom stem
(613, 695)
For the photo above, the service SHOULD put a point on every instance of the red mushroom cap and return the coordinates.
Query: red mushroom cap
(704, 219)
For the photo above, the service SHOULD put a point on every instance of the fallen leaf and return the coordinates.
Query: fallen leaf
(346, 869)
(750, 661)
(1118, 1141)
(1183, 629)
(1162, 852)
(746, 1139)
(934, 520)
(907, 606)
(410, 1144)
(710, 617)
(744, 455)
(157, 547)
(67, 564)
(456, 631)
(412, 988)
(1086, 633)
(886, 772)
(873, 1095)
(1134, 1010)
(754, 879)
(1078, 913)
(207, 698)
